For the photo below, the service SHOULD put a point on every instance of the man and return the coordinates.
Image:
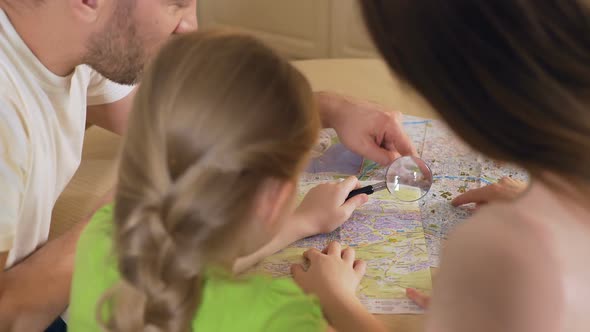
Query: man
(59, 61)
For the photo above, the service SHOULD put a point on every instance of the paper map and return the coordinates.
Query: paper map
(399, 241)
(456, 168)
(388, 236)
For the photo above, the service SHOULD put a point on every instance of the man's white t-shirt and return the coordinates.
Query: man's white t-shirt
(42, 123)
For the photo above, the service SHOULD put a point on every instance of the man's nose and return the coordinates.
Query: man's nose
(189, 21)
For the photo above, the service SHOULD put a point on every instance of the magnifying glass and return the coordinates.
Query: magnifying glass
(408, 179)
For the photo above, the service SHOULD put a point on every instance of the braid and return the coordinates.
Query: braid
(151, 264)
(160, 249)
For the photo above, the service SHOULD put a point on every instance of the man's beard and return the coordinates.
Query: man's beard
(117, 52)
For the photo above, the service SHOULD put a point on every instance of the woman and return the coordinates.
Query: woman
(512, 78)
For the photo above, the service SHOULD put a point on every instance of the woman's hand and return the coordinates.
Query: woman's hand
(505, 190)
(421, 299)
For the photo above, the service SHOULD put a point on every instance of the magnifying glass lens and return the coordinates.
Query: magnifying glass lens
(409, 179)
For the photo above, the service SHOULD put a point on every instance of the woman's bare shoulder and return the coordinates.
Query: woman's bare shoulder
(497, 274)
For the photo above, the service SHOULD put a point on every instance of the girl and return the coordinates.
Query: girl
(512, 78)
(221, 129)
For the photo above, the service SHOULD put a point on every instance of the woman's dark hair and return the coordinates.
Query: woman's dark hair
(511, 77)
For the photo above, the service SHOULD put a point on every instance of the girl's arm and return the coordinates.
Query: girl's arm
(334, 276)
(291, 232)
(322, 210)
(352, 316)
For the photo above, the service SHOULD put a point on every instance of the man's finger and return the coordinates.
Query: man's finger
(334, 248)
(479, 195)
(424, 168)
(390, 146)
(421, 299)
(396, 138)
(380, 155)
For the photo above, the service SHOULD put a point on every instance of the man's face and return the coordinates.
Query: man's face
(134, 33)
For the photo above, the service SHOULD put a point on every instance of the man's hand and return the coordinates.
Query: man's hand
(37, 290)
(505, 190)
(365, 128)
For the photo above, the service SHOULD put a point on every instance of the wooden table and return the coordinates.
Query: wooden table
(367, 79)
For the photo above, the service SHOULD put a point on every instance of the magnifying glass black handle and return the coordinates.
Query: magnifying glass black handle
(364, 190)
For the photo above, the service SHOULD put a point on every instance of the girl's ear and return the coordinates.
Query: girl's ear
(273, 199)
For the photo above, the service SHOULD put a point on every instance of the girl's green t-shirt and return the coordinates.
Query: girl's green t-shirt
(255, 303)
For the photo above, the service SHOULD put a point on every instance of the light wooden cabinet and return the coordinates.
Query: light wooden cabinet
(301, 29)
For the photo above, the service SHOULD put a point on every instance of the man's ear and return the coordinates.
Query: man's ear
(273, 198)
(88, 10)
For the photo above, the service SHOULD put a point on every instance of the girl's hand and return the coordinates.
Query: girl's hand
(505, 190)
(324, 208)
(333, 275)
